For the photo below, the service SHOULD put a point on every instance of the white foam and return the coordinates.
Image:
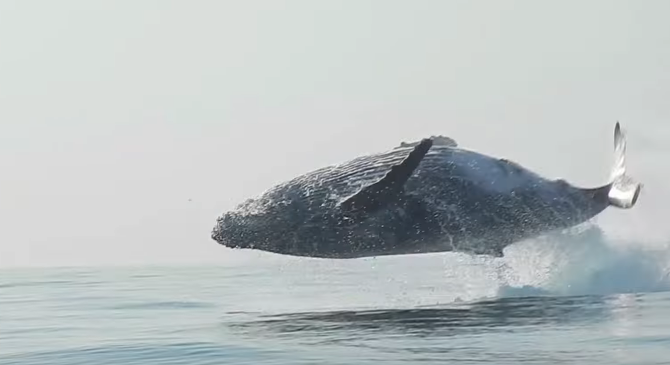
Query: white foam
(583, 263)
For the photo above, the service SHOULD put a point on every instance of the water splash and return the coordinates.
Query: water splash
(583, 262)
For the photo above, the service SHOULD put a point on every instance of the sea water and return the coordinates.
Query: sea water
(576, 299)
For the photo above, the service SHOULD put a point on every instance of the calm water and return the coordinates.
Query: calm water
(577, 300)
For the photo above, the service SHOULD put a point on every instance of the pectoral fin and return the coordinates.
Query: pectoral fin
(374, 197)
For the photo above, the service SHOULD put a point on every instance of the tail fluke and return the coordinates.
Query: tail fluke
(624, 190)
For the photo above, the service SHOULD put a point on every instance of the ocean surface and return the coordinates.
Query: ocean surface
(577, 298)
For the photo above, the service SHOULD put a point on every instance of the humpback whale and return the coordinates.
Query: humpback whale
(419, 197)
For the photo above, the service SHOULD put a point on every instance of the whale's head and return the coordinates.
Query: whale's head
(249, 225)
(258, 224)
(231, 231)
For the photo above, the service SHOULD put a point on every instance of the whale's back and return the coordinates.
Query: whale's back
(325, 188)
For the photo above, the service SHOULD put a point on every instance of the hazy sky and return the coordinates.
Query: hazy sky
(114, 114)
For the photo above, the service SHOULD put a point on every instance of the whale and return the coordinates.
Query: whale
(420, 197)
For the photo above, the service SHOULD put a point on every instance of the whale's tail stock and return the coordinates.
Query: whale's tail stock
(623, 189)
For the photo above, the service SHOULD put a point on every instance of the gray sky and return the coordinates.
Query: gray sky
(114, 114)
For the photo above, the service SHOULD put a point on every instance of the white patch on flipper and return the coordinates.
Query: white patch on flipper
(619, 167)
(625, 190)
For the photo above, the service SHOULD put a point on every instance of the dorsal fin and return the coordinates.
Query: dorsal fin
(374, 197)
(437, 141)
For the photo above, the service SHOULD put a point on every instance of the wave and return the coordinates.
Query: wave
(442, 321)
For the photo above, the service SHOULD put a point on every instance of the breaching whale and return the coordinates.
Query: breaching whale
(420, 197)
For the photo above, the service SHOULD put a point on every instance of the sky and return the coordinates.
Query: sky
(127, 127)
